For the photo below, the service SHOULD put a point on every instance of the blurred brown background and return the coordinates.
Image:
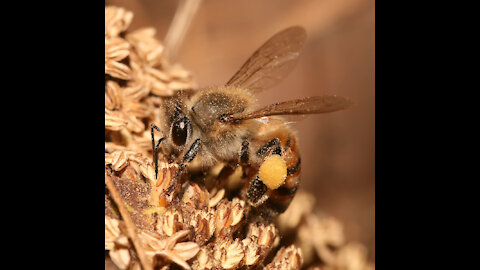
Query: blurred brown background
(338, 150)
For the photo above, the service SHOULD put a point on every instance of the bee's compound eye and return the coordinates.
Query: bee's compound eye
(180, 131)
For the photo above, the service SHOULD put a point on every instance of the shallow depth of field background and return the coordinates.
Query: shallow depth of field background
(338, 149)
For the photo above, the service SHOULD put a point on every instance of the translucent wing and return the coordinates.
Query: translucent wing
(309, 105)
(272, 61)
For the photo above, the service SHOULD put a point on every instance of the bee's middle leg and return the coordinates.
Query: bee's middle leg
(230, 168)
(188, 157)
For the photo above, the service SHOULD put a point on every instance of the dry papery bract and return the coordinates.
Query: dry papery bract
(185, 224)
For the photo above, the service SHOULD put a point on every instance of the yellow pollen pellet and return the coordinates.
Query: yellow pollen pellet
(273, 171)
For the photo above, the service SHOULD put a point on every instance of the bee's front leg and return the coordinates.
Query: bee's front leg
(155, 148)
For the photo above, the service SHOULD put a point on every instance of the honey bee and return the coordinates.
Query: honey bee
(222, 124)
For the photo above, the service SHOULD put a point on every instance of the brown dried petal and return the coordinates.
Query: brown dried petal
(136, 109)
(172, 256)
(160, 88)
(114, 122)
(186, 250)
(203, 223)
(133, 124)
(231, 254)
(216, 199)
(251, 251)
(178, 85)
(117, 70)
(229, 214)
(168, 248)
(119, 160)
(148, 171)
(178, 72)
(117, 20)
(135, 92)
(121, 257)
(203, 260)
(149, 49)
(287, 259)
(195, 197)
(237, 212)
(113, 98)
(169, 223)
(108, 157)
(116, 49)
(267, 235)
(112, 232)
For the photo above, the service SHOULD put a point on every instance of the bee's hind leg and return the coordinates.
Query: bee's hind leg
(256, 192)
(257, 189)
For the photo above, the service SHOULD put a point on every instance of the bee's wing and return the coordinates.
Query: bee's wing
(272, 61)
(309, 105)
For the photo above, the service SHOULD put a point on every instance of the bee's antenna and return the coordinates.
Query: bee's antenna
(155, 148)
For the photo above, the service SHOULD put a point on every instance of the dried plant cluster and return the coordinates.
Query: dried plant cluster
(193, 227)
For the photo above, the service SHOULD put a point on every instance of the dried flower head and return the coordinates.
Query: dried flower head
(185, 223)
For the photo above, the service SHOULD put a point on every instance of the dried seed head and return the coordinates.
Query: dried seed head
(169, 223)
(204, 259)
(195, 197)
(267, 235)
(169, 248)
(229, 253)
(137, 79)
(203, 224)
(229, 215)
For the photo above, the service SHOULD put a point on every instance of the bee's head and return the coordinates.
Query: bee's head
(180, 129)
(175, 126)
